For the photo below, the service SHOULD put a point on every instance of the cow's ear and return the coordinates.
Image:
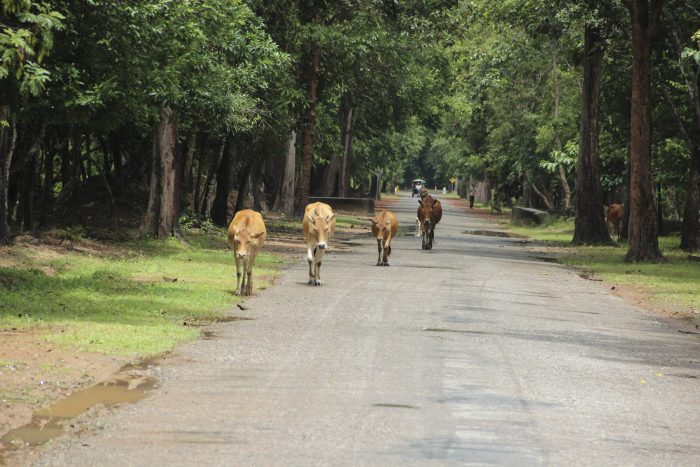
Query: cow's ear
(420, 202)
(330, 218)
(434, 201)
(373, 220)
(258, 235)
(311, 219)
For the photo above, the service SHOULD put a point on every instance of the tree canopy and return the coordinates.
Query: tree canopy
(196, 108)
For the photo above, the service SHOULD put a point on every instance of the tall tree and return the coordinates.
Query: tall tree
(309, 127)
(163, 204)
(590, 225)
(643, 225)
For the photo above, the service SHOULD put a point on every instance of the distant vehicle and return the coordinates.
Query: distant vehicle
(417, 186)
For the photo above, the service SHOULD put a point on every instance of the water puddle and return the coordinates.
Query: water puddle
(493, 233)
(49, 422)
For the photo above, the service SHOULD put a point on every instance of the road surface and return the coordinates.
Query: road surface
(473, 353)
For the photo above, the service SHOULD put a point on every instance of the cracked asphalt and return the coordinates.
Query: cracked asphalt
(475, 352)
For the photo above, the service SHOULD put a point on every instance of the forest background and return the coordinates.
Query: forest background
(156, 112)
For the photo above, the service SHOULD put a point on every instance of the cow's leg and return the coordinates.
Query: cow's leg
(387, 250)
(319, 259)
(239, 274)
(249, 271)
(430, 238)
(379, 252)
(310, 253)
(244, 282)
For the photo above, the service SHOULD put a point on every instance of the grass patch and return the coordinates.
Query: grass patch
(134, 303)
(676, 281)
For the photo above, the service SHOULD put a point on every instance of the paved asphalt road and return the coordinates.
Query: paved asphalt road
(472, 353)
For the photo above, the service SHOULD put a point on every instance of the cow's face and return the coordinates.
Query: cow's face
(320, 229)
(426, 210)
(242, 241)
(381, 228)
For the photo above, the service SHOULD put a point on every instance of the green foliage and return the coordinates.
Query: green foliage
(26, 37)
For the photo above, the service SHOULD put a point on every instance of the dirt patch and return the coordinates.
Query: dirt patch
(35, 372)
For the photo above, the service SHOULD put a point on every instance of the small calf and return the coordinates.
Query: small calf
(384, 228)
(613, 219)
(246, 235)
(319, 225)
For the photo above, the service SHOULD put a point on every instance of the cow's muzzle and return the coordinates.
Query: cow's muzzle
(322, 246)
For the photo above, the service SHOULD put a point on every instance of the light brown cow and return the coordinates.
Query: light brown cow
(429, 214)
(384, 228)
(246, 235)
(319, 225)
(614, 219)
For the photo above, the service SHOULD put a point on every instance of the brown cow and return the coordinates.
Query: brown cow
(429, 214)
(246, 234)
(384, 228)
(613, 219)
(319, 225)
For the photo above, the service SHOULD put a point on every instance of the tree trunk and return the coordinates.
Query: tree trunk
(285, 195)
(329, 183)
(303, 186)
(116, 150)
(161, 219)
(213, 169)
(47, 187)
(643, 226)
(8, 138)
(566, 190)
(224, 185)
(258, 187)
(690, 229)
(244, 201)
(545, 199)
(187, 175)
(589, 224)
(197, 184)
(344, 176)
(27, 194)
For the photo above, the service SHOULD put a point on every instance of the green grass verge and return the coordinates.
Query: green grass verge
(676, 281)
(128, 303)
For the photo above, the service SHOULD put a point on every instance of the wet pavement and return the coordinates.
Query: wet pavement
(474, 352)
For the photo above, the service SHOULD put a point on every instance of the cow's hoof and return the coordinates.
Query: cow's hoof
(237, 292)
(312, 282)
(386, 263)
(317, 282)
(379, 263)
